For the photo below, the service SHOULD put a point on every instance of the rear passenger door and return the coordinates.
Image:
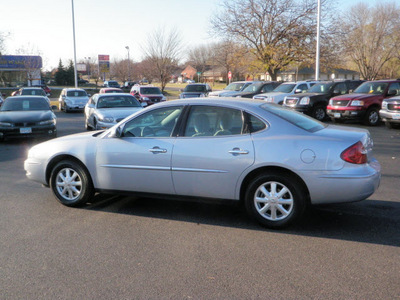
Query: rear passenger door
(212, 153)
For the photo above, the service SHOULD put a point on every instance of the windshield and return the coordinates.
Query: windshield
(235, 86)
(376, 88)
(195, 88)
(33, 92)
(321, 88)
(76, 94)
(117, 101)
(25, 104)
(150, 91)
(254, 87)
(298, 119)
(285, 88)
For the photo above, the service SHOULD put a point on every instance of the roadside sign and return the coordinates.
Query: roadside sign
(230, 75)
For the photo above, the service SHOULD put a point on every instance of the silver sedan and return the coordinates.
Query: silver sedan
(275, 160)
(106, 109)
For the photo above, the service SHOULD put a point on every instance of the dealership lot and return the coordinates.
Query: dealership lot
(124, 247)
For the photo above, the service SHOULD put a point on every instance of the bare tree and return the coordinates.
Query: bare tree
(370, 36)
(278, 32)
(201, 57)
(162, 51)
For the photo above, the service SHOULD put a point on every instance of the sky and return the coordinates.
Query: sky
(45, 27)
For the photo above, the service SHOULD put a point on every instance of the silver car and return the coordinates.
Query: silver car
(274, 159)
(72, 99)
(105, 110)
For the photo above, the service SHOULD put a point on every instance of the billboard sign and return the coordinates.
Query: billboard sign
(20, 62)
(104, 63)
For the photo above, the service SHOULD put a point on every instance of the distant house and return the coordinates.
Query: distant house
(188, 73)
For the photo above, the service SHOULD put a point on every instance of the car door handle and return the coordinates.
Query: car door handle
(157, 150)
(237, 151)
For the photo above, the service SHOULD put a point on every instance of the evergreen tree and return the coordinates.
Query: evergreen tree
(60, 74)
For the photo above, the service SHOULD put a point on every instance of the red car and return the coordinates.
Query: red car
(364, 103)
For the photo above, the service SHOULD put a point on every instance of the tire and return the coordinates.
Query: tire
(275, 200)
(319, 113)
(371, 117)
(71, 184)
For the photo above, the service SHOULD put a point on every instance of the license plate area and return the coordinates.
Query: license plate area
(337, 115)
(25, 130)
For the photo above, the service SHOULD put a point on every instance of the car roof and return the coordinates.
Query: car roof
(114, 94)
(74, 89)
(241, 103)
(27, 97)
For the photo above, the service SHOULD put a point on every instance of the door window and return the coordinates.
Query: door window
(213, 121)
(155, 123)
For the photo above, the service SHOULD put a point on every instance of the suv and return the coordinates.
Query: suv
(195, 90)
(147, 94)
(258, 87)
(315, 101)
(390, 112)
(72, 99)
(285, 89)
(364, 104)
(233, 89)
(111, 83)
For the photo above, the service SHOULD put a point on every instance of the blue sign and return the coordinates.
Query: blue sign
(20, 62)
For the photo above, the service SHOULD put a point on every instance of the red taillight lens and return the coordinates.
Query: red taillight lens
(355, 154)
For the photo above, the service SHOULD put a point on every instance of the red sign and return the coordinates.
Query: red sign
(229, 74)
(104, 57)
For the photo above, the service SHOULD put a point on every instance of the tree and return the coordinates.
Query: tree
(162, 52)
(278, 32)
(370, 37)
(60, 74)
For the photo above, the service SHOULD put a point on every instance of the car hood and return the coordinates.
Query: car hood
(119, 112)
(26, 116)
(358, 97)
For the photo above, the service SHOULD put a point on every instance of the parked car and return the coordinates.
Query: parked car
(364, 104)
(45, 88)
(111, 83)
(274, 159)
(72, 99)
(147, 94)
(129, 84)
(105, 110)
(82, 81)
(258, 87)
(195, 90)
(390, 112)
(31, 91)
(27, 116)
(315, 101)
(236, 86)
(285, 89)
(110, 90)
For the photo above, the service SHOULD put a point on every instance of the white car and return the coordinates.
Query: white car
(285, 89)
(72, 99)
(236, 86)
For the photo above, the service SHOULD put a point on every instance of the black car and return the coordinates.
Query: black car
(27, 116)
(195, 90)
(315, 101)
(257, 87)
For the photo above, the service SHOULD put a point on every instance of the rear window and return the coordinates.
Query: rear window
(298, 119)
(76, 94)
(150, 91)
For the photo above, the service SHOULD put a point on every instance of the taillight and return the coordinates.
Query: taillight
(355, 154)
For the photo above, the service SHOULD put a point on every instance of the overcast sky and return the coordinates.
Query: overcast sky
(44, 27)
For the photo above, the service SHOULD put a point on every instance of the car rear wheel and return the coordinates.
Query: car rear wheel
(71, 183)
(372, 117)
(275, 200)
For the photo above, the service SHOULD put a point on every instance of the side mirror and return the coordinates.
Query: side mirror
(297, 91)
(391, 93)
(336, 92)
(116, 132)
(144, 104)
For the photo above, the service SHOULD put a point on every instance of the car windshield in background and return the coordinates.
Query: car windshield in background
(298, 119)
(195, 88)
(117, 101)
(76, 94)
(25, 104)
(150, 91)
(284, 88)
(33, 92)
(252, 87)
(234, 87)
(376, 88)
(321, 88)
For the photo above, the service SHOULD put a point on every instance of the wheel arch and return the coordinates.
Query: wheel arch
(55, 160)
(273, 170)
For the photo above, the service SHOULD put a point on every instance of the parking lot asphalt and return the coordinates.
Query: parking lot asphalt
(134, 248)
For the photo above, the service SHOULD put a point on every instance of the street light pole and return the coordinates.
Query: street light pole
(318, 38)
(73, 31)
(129, 64)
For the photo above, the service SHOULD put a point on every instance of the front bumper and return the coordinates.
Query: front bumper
(346, 114)
(28, 132)
(390, 116)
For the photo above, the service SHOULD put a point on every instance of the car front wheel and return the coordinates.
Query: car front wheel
(319, 113)
(71, 183)
(275, 200)
(372, 117)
